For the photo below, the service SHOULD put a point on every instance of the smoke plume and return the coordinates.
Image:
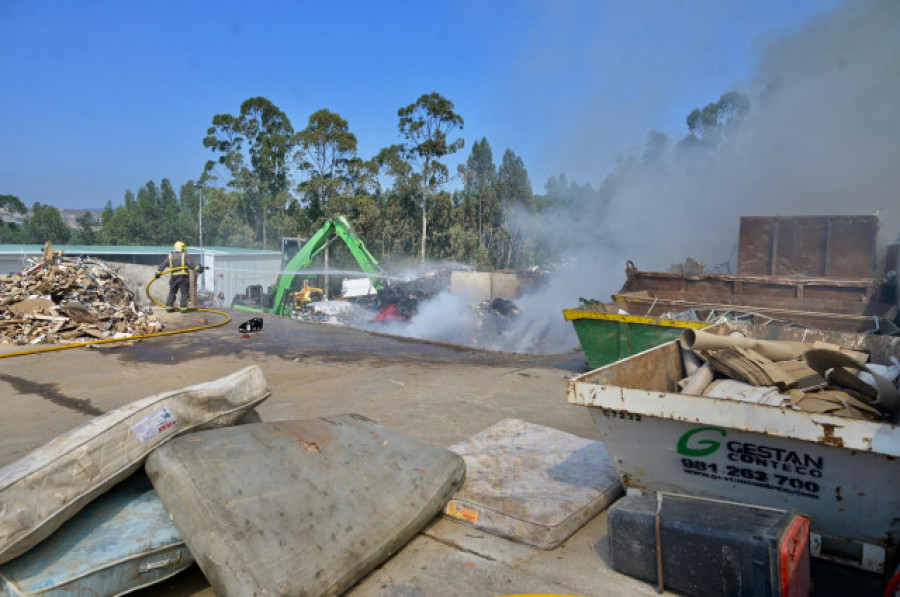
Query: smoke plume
(822, 138)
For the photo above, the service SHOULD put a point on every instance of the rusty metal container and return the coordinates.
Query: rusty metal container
(814, 271)
(848, 305)
(843, 473)
(815, 246)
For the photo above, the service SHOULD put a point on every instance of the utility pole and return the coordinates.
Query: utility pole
(199, 186)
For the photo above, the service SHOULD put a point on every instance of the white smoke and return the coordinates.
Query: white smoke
(444, 318)
(822, 138)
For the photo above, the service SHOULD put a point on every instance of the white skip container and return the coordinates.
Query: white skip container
(843, 473)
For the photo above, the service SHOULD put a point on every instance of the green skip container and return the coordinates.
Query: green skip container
(608, 337)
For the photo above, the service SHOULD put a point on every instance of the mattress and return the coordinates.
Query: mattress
(121, 542)
(300, 507)
(533, 484)
(51, 484)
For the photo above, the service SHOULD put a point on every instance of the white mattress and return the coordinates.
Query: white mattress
(531, 483)
(51, 484)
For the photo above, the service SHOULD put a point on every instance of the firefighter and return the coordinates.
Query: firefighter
(180, 279)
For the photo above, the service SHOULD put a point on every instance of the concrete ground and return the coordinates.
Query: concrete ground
(440, 394)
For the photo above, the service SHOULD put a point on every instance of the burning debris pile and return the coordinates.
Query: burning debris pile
(454, 306)
(64, 301)
(492, 319)
(399, 300)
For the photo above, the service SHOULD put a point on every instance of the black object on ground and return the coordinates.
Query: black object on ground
(254, 324)
(711, 547)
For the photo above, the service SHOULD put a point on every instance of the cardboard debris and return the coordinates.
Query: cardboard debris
(860, 358)
(833, 402)
(738, 390)
(803, 375)
(842, 370)
(748, 365)
(63, 301)
(819, 377)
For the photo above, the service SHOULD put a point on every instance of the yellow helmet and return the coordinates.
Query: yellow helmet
(179, 246)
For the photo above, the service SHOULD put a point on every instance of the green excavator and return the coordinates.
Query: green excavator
(333, 229)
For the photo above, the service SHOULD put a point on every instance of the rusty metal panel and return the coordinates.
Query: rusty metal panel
(755, 246)
(658, 369)
(851, 246)
(826, 246)
(892, 258)
(828, 315)
(801, 246)
(708, 289)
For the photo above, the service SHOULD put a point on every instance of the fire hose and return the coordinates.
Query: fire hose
(130, 338)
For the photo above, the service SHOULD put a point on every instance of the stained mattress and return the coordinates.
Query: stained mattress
(300, 507)
(531, 483)
(51, 484)
(121, 542)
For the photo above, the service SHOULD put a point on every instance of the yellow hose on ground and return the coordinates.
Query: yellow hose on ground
(128, 339)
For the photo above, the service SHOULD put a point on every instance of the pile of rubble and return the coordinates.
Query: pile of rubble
(492, 317)
(398, 300)
(62, 301)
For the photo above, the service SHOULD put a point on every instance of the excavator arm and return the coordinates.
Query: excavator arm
(338, 227)
(366, 261)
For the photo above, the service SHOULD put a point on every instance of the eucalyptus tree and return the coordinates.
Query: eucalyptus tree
(515, 192)
(12, 204)
(123, 225)
(480, 185)
(711, 124)
(85, 232)
(255, 147)
(426, 126)
(397, 205)
(325, 151)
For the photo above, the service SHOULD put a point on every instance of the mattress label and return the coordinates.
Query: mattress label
(152, 425)
(463, 513)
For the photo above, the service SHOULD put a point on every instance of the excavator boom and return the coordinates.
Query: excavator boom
(335, 227)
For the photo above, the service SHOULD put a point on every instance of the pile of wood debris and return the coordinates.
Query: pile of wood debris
(63, 301)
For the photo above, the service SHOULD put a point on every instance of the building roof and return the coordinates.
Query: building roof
(127, 250)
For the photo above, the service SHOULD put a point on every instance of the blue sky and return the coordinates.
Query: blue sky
(101, 97)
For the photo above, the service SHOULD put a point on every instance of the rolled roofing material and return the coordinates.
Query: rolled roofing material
(772, 350)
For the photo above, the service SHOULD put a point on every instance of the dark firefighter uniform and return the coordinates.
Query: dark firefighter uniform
(179, 279)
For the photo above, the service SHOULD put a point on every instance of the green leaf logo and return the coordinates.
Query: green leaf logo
(699, 447)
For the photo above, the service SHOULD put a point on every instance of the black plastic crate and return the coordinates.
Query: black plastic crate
(711, 547)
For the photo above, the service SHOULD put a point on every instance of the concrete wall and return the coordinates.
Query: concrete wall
(505, 286)
(231, 274)
(10, 264)
(485, 286)
(136, 278)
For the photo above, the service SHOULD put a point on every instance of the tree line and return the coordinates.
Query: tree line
(268, 180)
